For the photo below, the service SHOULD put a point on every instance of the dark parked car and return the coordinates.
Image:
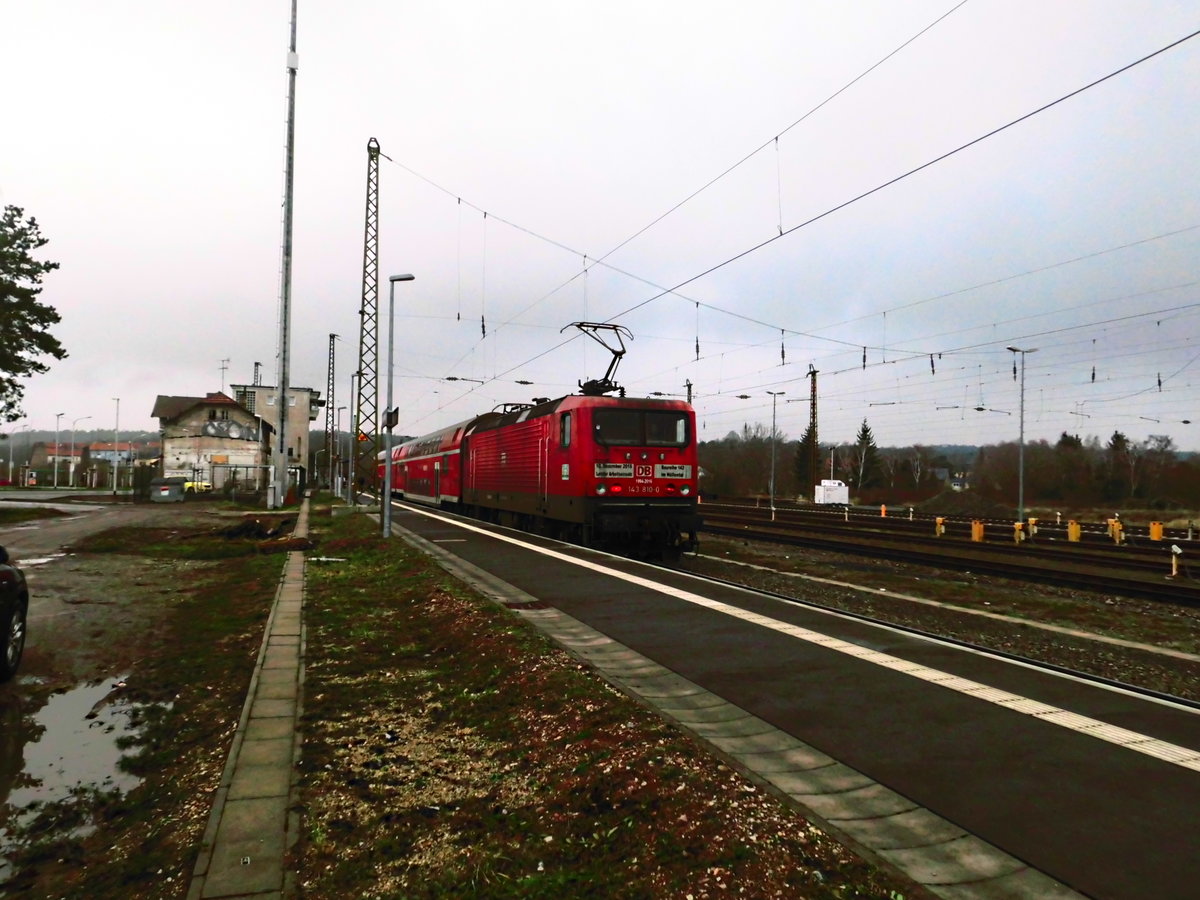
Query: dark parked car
(14, 609)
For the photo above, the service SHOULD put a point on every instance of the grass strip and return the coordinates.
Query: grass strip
(450, 750)
(184, 695)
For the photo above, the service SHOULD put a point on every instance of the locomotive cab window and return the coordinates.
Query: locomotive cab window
(666, 429)
(564, 430)
(638, 427)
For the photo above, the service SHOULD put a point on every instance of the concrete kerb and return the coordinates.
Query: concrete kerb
(253, 824)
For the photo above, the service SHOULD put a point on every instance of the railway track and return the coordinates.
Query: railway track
(1130, 569)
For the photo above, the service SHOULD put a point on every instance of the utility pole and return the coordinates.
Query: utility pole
(276, 497)
(366, 415)
(224, 367)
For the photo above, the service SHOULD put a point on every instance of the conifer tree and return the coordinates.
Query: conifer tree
(24, 321)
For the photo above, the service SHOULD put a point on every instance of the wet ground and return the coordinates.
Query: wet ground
(63, 715)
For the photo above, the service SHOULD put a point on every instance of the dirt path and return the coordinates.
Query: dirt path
(85, 621)
(91, 618)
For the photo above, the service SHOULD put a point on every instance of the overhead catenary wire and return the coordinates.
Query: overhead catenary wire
(924, 352)
(601, 260)
(675, 290)
(903, 176)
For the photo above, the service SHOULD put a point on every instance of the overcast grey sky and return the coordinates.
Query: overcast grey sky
(147, 138)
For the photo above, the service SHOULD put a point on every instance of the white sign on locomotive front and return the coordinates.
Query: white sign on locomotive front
(672, 470)
(614, 470)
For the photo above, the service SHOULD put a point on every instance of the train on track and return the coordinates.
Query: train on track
(616, 473)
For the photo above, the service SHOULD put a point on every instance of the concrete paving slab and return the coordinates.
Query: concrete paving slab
(1022, 885)
(967, 859)
(904, 830)
(260, 780)
(278, 752)
(265, 708)
(278, 690)
(723, 712)
(255, 818)
(276, 676)
(834, 779)
(792, 759)
(757, 743)
(746, 726)
(267, 728)
(243, 868)
(861, 803)
(701, 700)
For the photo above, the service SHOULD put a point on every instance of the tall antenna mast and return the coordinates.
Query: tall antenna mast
(367, 414)
(275, 497)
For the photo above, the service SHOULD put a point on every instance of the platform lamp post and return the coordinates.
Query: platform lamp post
(775, 395)
(57, 420)
(73, 424)
(1021, 444)
(386, 499)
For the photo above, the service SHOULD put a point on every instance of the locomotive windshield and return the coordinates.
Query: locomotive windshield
(641, 427)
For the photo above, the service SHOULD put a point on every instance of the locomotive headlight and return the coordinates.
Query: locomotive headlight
(601, 489)
(685, 490)
(645, 455)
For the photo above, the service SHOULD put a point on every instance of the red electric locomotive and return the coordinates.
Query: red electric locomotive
(614, 472)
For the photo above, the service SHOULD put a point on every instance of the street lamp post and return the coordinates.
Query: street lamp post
(1021, 444)
(57, 420)
(386, 499)
(72, 471)
(775, 395)
(117, 447)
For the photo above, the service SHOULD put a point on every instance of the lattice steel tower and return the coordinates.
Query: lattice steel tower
(815, 457)
(330, 436)
(366, 415)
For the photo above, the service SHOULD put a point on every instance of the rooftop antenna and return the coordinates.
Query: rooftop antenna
(598, 387)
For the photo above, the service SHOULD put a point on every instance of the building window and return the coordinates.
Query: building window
(212, 414)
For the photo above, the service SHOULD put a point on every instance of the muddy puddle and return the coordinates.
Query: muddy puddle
(65, 750)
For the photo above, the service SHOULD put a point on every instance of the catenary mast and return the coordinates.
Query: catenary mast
(366, 415)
